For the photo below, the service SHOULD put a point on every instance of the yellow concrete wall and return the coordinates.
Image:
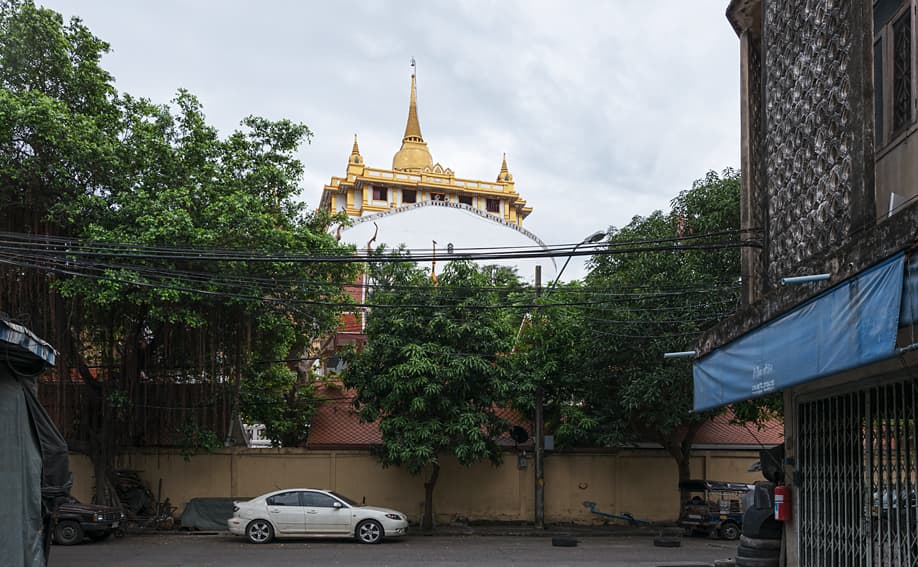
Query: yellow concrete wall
(642, 482)
(84, 480)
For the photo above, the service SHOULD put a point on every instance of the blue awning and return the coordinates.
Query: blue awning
(908, 315)
(852, 324)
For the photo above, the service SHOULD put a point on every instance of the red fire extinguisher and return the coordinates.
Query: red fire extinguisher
(782, 503)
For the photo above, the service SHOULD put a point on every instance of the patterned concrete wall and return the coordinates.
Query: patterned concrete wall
(809, 144)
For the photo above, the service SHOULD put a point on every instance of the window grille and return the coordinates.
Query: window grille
(902, 71)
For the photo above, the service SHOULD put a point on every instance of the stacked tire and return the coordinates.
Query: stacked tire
(755, 552)
(669, 537)
(760, 544)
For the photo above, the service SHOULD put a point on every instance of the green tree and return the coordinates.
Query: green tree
(82, 161)
(676, 294)
(618, 388)
(434, 377)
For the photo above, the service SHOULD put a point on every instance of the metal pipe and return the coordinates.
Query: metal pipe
(681, 354)
(805, 279)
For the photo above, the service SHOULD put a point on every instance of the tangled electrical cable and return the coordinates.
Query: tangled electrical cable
(154, 268)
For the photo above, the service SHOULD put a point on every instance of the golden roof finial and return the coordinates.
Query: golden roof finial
(413, 127)
(355, 158)
(504, 174)
(413, 155)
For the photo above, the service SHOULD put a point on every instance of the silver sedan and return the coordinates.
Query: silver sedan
(307, 512)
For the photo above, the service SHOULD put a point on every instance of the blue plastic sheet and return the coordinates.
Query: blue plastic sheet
(850, 325)
(909, 312)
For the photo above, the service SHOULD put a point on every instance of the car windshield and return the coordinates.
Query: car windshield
(345, 499)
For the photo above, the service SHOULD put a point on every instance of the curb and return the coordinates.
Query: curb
(457, 531)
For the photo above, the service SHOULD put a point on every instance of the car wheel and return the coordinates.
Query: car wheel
(98, 536)
(259, 531)
(68, 532)
(729, 530)
(369, 531)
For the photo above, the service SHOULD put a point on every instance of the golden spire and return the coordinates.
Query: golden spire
(413, 155)
(355, 158)
(504, 174)
(413, 127)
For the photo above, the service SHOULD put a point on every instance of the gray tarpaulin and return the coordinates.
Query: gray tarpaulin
(34, 463)
(209, 513)
(21, 520)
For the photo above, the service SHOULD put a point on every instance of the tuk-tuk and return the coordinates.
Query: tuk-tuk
(713, 507)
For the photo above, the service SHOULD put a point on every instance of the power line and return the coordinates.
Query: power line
(78, 248)
(298, 301)
(251, 281)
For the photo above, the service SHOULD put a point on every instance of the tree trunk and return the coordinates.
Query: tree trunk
(681, 451)
(101, 435)
(427, 519)
(684, 475)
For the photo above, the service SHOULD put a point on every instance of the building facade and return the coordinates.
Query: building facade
(830, 179)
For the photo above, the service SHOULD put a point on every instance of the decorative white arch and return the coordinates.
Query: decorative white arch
(458, 206)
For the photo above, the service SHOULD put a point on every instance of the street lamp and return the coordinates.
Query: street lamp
(591, 239)
(540, 395)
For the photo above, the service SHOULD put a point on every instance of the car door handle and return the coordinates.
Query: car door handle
(273, 510)
(312, 511)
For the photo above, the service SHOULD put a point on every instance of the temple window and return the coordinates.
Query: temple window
(493, 205)
(380, 194)
(409, 196)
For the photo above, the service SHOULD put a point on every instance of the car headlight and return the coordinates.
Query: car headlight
(99, 517)
(393, 516)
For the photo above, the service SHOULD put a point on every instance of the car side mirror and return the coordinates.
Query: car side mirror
(337, 505)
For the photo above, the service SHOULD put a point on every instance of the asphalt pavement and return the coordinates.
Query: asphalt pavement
(224, 550)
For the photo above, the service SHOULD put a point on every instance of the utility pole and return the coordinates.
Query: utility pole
(539, 433)
(540, 387)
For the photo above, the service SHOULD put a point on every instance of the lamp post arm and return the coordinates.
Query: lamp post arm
(591, 239)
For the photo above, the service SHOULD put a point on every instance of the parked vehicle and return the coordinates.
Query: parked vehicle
(899, 502)
(305, 512)
(72, 522)
(715, 508)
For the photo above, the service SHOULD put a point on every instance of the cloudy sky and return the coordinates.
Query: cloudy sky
(606, 109)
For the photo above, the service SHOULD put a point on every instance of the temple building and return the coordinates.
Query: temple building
(421, 204)
(415, 179)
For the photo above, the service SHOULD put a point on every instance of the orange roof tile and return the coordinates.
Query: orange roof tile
(719, 431)
(337, 425)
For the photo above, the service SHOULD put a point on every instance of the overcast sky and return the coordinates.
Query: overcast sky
(606, 109)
